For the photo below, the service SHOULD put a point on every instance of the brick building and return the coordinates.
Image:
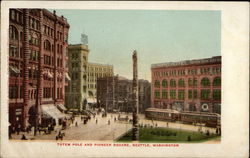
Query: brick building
(38, 64)
(116, 93)
(191, 85)
(81, 92)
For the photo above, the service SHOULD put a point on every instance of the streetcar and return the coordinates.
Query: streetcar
(187, 117)
(204, 118)
(162, 114)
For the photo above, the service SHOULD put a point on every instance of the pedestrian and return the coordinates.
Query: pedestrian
(96, 121)
(9, 131)
(115, 119)
(18, 128)
(76, 124)
(24, 138)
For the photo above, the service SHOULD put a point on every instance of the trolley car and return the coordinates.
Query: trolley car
(162, 114)
(188, 117)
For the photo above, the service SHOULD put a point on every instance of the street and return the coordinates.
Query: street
(102, 130)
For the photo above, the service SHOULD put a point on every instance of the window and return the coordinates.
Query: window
(157, 94)
(13, 92)
(164, 94)
(14, 51)
(47, 45)
(195, 94)
(205, 94)
(190, 94)
(164, 83)
(172, 83)
(205, 82)
(181, 94)
(66, 38)
(217, 81)
(181, 83)
(13, 33)
(217, 94)
(12, 14)
(157, 83)
(195, 82)
(190, 82)
(172, 94)
(21, 35)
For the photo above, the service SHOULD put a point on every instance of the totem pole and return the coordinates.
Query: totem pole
(135, 136)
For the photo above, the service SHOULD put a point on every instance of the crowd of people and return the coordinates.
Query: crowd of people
(47, 126)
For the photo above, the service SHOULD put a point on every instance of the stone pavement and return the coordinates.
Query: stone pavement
(90, 131)
(104, 131)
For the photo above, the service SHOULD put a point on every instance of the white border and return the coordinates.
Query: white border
(235, 85)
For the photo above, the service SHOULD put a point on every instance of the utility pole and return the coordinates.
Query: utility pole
(106, 97)
(113, 91)
(135, 135)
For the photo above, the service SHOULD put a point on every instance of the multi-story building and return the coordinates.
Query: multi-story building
(115, 93)
(191, 85)
(81, 92)
(37, 61)
(96, 71)
(77, 90)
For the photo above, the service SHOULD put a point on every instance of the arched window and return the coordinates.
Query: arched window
(34, 39)
(157, 83)
(181, 82)
(47, 45)
(217, 81)
(172, 83)
(164, 83)
(13, 33)
(205, 82)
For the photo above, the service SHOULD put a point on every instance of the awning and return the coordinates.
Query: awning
(67, 76)
(91, 100)
(51, 111)
(61, 107)
(15, 70)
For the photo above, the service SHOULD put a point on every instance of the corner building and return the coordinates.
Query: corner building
(191, 85)
(81, 92)
(38, 64)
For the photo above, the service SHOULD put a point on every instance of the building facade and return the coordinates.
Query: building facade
(96, 71)
(37, 62)
(81, 92)
(191, 85)
(115, 93)
(77, 90)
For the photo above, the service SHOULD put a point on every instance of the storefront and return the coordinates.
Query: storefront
(62, 108)
(16, 114)
(50, 112)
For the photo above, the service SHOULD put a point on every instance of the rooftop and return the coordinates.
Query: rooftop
(98, 64)
(215, 59)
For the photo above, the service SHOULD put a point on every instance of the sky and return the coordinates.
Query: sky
(157, 35)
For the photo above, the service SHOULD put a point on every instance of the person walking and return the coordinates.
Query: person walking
(76, 124)
(18, 128)
(24, 138)
(96, 121)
